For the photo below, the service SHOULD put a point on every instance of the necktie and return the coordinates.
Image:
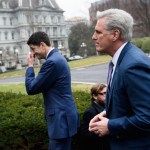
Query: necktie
(110, 74)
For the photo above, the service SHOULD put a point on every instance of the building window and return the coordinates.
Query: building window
(36, 18)
(52, 19)
(11, 23)
(14, 48)
(6, 35)
(48, 30)
(59, 19)
(44, 18)
(16, 20)
(4, 21)
(8, 48)
(54, 31)
(29, 33)
(27, 18)
(12, 34)
(39, 28)
(61, 33)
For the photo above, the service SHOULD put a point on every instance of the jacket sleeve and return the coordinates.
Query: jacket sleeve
(45, 78)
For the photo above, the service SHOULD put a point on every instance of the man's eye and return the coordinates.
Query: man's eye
(98, 32)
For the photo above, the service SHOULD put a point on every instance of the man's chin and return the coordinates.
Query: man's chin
(38, 57)
(98, 50)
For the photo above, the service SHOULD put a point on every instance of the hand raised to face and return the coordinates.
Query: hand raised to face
(31, 59)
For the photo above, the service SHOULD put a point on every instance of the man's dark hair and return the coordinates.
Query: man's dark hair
(38, 37)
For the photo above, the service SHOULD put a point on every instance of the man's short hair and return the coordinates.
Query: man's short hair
(37, 37)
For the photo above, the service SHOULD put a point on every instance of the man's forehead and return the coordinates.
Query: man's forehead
(100, 24)
(32, 46)
(101, 21)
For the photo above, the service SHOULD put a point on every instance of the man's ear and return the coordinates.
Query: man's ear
(42, 44)
(116, 34)
(94, 96)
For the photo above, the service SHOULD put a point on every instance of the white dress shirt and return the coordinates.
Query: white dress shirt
(49, 52)
(115, 58)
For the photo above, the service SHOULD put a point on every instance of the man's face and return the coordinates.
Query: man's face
(37, 51)
(102, 37)
(101, 97)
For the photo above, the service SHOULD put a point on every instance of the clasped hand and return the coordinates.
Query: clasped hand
(99, 124)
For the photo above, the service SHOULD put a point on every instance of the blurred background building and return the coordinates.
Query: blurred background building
(19, 19)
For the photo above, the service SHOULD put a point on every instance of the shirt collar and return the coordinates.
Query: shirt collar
(49, 52)
(117, 54)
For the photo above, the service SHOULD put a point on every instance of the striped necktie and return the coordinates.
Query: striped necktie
(110, 74)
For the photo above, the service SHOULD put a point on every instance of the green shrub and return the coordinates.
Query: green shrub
(22, 121)
(137, 42)
(21, 124)
(146, 45)
(143, 43)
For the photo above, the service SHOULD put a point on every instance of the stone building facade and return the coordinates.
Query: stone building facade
(19, 19)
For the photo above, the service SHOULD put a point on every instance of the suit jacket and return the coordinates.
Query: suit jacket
(86, 139)
(128, 101)
(54, 82)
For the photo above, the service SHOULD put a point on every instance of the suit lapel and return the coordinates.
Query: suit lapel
(122, 54)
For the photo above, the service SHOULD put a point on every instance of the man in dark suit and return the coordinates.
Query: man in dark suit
(86, 139)
(127, 116)
(54, 82)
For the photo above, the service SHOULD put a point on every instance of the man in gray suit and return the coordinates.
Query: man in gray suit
(127, 116)
(54, 82)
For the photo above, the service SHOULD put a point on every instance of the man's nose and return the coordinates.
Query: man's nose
(93, 36)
